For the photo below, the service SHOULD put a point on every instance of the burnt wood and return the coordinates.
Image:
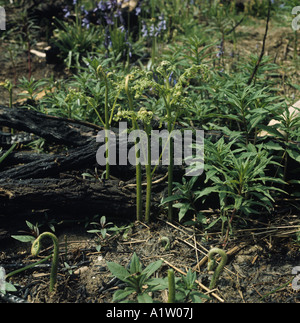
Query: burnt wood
(75, 197)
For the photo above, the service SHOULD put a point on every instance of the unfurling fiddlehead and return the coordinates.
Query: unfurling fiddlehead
(35, 250)
(211, 264)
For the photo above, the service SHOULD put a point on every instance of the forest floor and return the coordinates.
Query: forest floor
(262, 254)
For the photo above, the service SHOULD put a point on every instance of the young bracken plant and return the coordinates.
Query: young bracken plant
(35, 250)
(220, 267)
(171, 100)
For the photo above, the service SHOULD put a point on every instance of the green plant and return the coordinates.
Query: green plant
(34, 232)
(15, 272)
(187, 289)
(138, 166)
(136, 278)
(186, 196)
(250, 107)
(9, 87)
(7, 153)
(171, 282)
(31, 88)
(286, 130)
(165, 241)
(103, 228)
(220, 267)
(258, 8)
(170, 103)
(196, 50)
(240, 178)
(5, 286)
(107, 118)
(75, 41)
(35, 250)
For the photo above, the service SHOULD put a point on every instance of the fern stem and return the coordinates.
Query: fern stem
(35, 250)
(220, 267)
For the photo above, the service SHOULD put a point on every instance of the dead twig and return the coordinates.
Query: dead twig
(263, 47)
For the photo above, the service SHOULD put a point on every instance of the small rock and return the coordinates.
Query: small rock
(81, 270)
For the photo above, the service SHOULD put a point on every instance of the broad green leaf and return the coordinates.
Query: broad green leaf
(144, 298)
(294, 154)
(118, 271)
(24, 238)
(155, 284)
(120, 294)
(273, 146)
(272, 131)
(152, 268)
(10, 287)
(197, 297)
(93, 231)
(205, 191)
(172, 198)
(135, 265)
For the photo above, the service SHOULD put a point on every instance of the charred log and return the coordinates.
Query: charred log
(53, 129)
(71, 196)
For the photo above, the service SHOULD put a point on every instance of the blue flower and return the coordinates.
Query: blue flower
(102, 6)
(138, 11)
(108, 19)
(84, 10)
(86, 23)
(67, 12)
(221, 49)
(144, 29)
(107, 40)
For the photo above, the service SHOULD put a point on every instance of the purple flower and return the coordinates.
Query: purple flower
(154, 30)
(221, 49)
(84, 11)
(86, 23)
(138, 11)
(107, 40)
(102, 6)
(111, 4)
(108, 19)
(66, 12)
(219, 54)
(118, 13)
(144, 29)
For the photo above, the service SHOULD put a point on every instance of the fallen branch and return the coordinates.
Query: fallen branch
(55, 130)
(68, 196)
